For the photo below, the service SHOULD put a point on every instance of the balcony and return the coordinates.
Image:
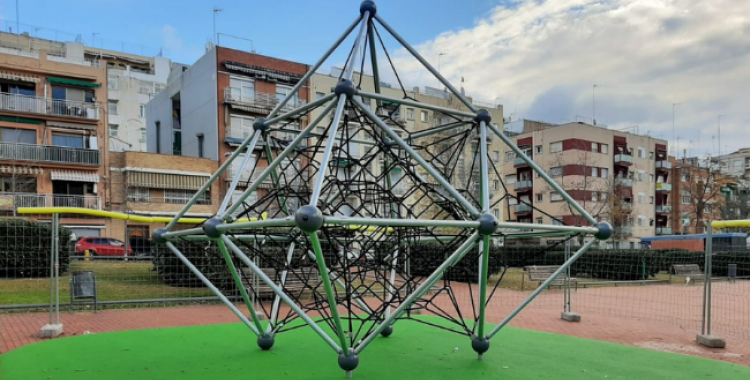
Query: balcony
(520, 163)
(626, 206)
(666, 165)
(663, 209)
(49, 154)
(523, 185)
(259, 100)
(663, 187)
(663, 231)
(623, 230)
(522, 209)
(623, 159)
(624, 182)
(45, 106)
(14, 200)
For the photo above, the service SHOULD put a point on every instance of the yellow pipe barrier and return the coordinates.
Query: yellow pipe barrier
(117, 215)
(730, 223)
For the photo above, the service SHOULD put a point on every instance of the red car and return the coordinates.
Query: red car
(101, 246)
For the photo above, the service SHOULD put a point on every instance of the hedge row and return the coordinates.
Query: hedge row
(25, 248)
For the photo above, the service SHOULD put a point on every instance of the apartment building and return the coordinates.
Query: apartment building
(208, 109)
(616, 176)
(736, 164)
(53, 132)
(406, 119)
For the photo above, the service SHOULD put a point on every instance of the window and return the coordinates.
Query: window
(158, 137)
(686, 198)
(595, 147)
(112, 83)
(72, 94)
(650, 178)
(112, 107)
(240, 126)
(200, 144)
(555, 147)
(319, 95)
(143, 135)
(604, 172)
(142, 110)
(641, 198)
(538, 149)
(12, 135)
(737, 164)
(557, 221)
(650, 155)
(495, 185)
(113, 130)
(242, 89)
(496, 213)
(158, 88)
(177, 142)
(603, 196)
(510, 179)
(604, 148)
(410, 114)
(594, 172)
(496, 156)
(539, 197)
(145, 88)
(510, 156)
(423, 116)
(175, 196)
(642, 221)
(19, 184)
(139, 194)
(641, 176)
(594, 196)
(651, 200)
(539, 220)
(641, 152)
(556, 171)
(707, 208)
(73, 141)
(555, 197)
(282, 92)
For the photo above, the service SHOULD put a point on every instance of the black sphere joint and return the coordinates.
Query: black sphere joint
(260, 124)
(368, 6)
(387, 141)
(346, 87)
(480, 346)
(210, 227)
(266, 341)
(158, 236)
(487, 224)
(309, 218)
(348, 362)
(483, 116)
(387, 331)
(605, 231)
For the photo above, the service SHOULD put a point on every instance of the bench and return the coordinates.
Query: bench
(540, 273)
(687, 270)
(297, 279)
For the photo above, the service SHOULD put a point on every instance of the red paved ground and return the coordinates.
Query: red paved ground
(661, 318)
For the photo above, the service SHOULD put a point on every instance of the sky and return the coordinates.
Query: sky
(540, 59)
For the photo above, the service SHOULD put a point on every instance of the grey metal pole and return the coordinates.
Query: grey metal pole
(238, 252)
(357, 45)
(426, 65)
(484, 167)
(706, 265)
(709, 273)
(542, 174)
(212, 288)
(56, 245)
(426, 285)
(541, 288)
(340, 283)
(432, 131)
(348, 221)
(236, 180)
(286, 222)
(316, 134)
(277, 299)
(287, 151)
(325, 99)
(323, 171)
(52, 272)
(434, 173)
(409, 102)
(566, 306)
(313, 69)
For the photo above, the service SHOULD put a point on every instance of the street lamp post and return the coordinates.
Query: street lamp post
(440, 55)
(593, 103)
(718, 122)
(673, 130)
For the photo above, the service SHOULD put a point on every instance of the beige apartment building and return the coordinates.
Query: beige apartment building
(616, 176)
(406, 119)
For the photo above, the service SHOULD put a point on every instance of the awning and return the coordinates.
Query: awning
(62, 124)
(72, 82)
(165, 181)
(21, 170)
(24, 120)
(75, 176)
(18, 77)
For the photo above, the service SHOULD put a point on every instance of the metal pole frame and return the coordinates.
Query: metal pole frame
(238, 282)
(280, 292)
(408, 102)
(323, 172)
(276, 300)
(566, 292)
(56, 260)
(442, 128)
(484, 253)
(346, 221)
(541, 288)
(706, 320)
(249, 153)
(340, 283)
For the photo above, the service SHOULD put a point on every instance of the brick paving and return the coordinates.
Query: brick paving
(659, 318)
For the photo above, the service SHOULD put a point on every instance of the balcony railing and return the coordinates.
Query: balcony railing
(259, 100)
(663, 165)
(142, 198)
(11, 200)
(623, 230)
(663, 209)
(623, 159)
(519, 162)
(46, 106)
(626, 206)
(663, 231)
(523, 185)
(49, 153)
(663, 186)
(624, 182)
(520, 209)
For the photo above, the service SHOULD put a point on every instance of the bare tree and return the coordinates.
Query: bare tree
(702, 182)
(737, 205)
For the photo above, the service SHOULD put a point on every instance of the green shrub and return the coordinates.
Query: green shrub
(25, 248)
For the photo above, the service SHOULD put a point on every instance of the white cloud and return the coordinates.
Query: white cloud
(175, 46)
(644, 54)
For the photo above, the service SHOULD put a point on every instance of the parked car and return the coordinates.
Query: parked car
(101, 246)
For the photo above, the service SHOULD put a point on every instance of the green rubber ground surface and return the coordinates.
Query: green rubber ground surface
(414, 351)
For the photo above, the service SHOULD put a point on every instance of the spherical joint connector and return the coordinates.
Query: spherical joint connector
(346, 87)
(605, 231)
(483, 116)
(387, 331)
(368, 6)
(487, 224)
(260, 124)
(158, 236)
(348, 362)
(309, 218)
(266, 341)
(388, 142)
(480, 346)
(210, 227)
